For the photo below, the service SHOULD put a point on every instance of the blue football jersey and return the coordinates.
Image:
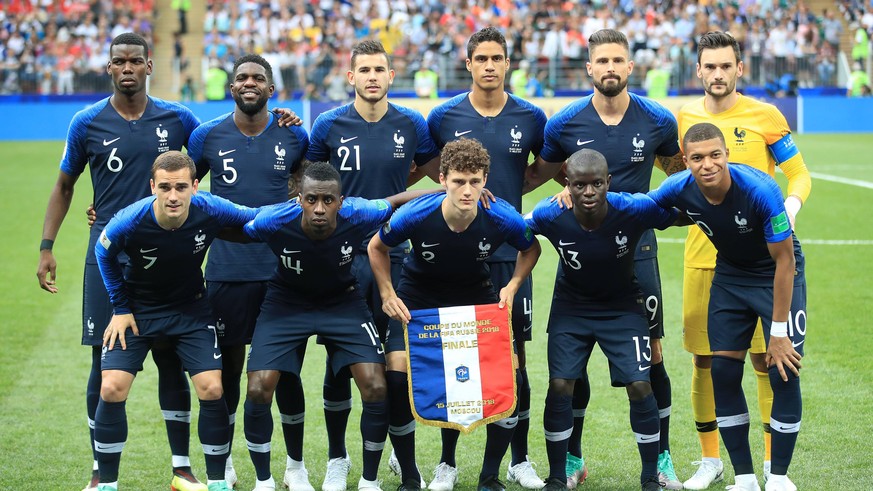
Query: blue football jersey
(443, 258)
(740, 227)
(163, 274)
(596, 271)
(249, 170)
(120, 153)
(510, 138)
(316, 270)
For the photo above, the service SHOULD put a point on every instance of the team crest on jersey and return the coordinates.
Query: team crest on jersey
(90, 327)
(621, 242)
(484, 250)
(346, 251)
(220, 327)
(280, 157)
(399, 140)
(199, 241)
(742, 223)
(162, 133)
(515, 134)
(740, 134)
(639, 144)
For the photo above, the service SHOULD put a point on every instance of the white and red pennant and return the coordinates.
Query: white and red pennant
(460, 362)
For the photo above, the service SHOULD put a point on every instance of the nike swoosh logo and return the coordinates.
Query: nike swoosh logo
(462, 133)
(181, 415)
(222, 153)
(562, 243)
(644, 439)
(110, 142)
(580, 142)
(286, 251)
(346, 140)
(797, 344)
(98, 447)
(425, 246)
(691, 213)
(143, 251)
(644, 369)
(216, 355)
(526, 329)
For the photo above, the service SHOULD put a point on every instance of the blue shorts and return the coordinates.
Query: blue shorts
(734, 312)
(194, 340)
(235, 308)
(416, 298)
(96, 307)
(344, 326)
(364, 274)
(649, 279)
(522, 304)
(624, 339)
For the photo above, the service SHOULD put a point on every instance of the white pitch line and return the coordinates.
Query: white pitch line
(803, 242)
(842, 180)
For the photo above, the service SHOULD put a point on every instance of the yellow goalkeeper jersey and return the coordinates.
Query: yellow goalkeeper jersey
(757, 135)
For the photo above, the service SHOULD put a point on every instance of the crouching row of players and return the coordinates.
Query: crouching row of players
(314, 292)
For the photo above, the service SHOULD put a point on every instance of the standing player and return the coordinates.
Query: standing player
(594, 240)
(373, 144)
(759, 274)
(314, 291)
(120, 137)
(634, 134)
(760, 138)
(452, 238)
(510, 129)
(250, 159)
(160, 295)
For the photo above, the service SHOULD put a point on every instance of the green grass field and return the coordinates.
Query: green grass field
(43, 369)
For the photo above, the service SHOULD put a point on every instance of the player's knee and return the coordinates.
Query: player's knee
(208, 385)
(373, 389)
(702, 361)
(113, 388)
(561, 387)
(259, 389)
(639, 390)
(759, 361)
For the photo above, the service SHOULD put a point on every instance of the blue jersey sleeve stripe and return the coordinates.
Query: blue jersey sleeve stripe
(318, 150)
(541, 120)
(426, 149)
(75, 155)
(435, 118)
(189, 121)
(369, 213)
(784, 149)
(663, 119)
(226, 212)
(518, 235)
(407, 217)
(766, 197)
(552, 150)
(543, 213)
(665, 195)
(270, 219)
(111, 243)
(198, 140)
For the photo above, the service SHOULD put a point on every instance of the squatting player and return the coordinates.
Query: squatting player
(314, 292)
(598, 300)
(634, 134)
(373, 144)
(452, 237)
(119, 138)
(160, 296)
(758, 136)
(759, 274)
(250, 158)
(510, 129)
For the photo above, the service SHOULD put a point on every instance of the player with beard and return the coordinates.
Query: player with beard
(250, 158)
(373, 144)
(634, 134)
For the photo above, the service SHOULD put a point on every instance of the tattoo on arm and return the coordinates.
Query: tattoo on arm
(671, 165)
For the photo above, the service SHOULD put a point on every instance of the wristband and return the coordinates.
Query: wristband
(779, 329)
(46, 245)
(792, 205)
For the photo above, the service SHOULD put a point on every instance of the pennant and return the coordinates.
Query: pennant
(460, 365)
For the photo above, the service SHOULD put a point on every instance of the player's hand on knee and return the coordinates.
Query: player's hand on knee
(91, 213)
(396, 309)
(781, 353)
(117, 328)
(563, 198)
(46, 271)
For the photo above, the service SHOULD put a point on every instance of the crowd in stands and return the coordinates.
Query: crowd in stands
(59, 46)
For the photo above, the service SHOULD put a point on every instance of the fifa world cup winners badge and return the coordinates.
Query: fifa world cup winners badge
(461, 373)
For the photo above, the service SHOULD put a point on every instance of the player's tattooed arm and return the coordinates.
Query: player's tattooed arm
(671, 165)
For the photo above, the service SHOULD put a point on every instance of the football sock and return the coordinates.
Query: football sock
(703, 408)
(401, 426)
(232, 360)
(765, 405)
(581, 396)
(662, 390)
(259, 431)
(174, 397)
(558, 426)
(110, 435)
(292, 411)
(374, 430)
(646, 426)
(92, 393)
(519, 438)
(450, 445)
(337, 392)
(785, 421)
(212, 428)
(499, 436)
(731, 411)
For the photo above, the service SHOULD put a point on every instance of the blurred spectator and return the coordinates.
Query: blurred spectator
(832, 29)
(519, 78)
(216, 82)
(188, 93)
(657, 82)
(858, 79)
(861, 48)
(182, 7)
(426, 82)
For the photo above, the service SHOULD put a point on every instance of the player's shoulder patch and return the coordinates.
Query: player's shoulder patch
(84, 117)
(410, 113)
(204, 128)
(659, 114)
